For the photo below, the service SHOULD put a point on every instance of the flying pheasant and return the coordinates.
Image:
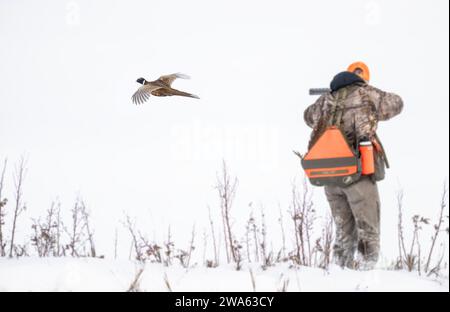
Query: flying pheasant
(159, 87)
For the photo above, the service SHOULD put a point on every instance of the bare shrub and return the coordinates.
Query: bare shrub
(88, 230)
(415, 258)
(437, 229)
(303, 216)
(226, 187)
(252, 234)
(237, 255)
(267, 256)
(169, 249)
(21, 250)
(3, 202)
(20, 207)
(46, 236)
(150, 250)
(184, 256)
(322, 250)
(411, 258)
(131, 227)
(144, 249)
(81, 242)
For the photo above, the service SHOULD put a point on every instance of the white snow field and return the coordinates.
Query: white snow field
(92, 275)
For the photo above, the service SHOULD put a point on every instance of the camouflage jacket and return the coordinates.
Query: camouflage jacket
(362, 107)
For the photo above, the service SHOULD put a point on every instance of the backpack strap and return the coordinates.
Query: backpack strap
(338, 107)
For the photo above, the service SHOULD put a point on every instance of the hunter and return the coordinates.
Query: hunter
(356, 207)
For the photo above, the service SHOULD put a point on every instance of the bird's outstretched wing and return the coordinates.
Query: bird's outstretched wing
(168, 79)
(143, 93)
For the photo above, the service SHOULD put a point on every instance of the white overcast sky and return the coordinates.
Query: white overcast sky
(68, 70)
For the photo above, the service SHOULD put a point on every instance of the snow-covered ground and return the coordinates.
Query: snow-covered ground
(68, 274)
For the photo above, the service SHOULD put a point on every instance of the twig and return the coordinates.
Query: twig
(252, 277)
(216, 257)
(3, 202)
(166, 281)
(134, 286)
(437, 227)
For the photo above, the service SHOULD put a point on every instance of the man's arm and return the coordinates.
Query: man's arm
(388, 105)
(313, 113)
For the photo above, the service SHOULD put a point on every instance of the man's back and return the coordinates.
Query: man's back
(362, 108)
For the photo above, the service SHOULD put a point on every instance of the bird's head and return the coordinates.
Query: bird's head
(141, 80)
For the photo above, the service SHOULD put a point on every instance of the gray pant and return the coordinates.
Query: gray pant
(356, 213)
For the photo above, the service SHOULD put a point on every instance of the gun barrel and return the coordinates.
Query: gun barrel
(319, 91)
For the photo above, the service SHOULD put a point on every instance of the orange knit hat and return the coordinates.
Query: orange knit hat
(364, 74)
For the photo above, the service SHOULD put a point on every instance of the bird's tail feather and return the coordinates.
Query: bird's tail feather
(182, 76)
(182, 93)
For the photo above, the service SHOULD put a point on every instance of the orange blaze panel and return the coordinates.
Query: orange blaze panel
(331, 144)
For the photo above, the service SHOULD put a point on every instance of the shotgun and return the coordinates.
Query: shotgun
(319, 91)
